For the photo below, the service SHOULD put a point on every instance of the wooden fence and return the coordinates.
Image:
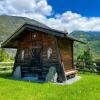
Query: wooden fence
(82, 66)
(6, 67)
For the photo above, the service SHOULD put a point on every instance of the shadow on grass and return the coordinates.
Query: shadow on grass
(9, 77)
(5, 75)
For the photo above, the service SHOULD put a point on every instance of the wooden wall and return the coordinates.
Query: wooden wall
(43, 42)
(66, 51)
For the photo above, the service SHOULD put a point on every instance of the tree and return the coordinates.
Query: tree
(3, 54)
(85, 59)
(88, 56)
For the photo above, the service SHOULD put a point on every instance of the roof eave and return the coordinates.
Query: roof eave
(33, 27)
(18, 31)
(75, 39)
(38, 28)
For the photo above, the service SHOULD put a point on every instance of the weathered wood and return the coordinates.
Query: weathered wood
(66, 50)
(40, 42)
(60, 69)
(6, 62)
(6, 67)
(38, 51)
(70, 72)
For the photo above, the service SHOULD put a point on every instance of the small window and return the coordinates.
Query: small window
(49, 52)
(33, 36)
(22, 55)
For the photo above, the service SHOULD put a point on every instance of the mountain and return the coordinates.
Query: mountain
(92, 39)
(86, 35)
(9, 24)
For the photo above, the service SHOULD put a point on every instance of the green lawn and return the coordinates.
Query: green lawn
(88, 88)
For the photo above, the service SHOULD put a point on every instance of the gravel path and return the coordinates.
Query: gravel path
(70, 81)
(34, 79)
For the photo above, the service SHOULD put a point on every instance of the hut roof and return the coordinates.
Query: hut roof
(38, 27)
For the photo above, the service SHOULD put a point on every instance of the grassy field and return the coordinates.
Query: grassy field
(88, 88)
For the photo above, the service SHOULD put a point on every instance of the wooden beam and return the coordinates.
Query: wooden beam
(60, 68)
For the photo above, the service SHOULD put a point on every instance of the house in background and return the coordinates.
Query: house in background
(39, 48)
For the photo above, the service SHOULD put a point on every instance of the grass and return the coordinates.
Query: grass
(88, 88)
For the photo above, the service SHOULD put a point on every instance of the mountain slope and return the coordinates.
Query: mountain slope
(92, 39)
(9, 24)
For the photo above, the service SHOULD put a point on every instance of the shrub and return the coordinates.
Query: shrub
(3, 55)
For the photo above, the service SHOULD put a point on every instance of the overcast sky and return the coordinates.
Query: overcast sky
(63, 15)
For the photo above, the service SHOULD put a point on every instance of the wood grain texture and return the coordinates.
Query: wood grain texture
(40, 42)
(32, 54)
(66, 51)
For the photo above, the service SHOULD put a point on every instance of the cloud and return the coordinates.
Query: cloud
(40, 10)
(72, 21)
(44, 8)
(25, 7)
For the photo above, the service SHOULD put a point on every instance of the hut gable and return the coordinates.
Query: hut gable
(12, 41)
(37, 52)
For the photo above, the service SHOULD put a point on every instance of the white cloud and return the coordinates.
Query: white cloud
(72, 21)
(25, 7)
(44, 8)
(40, 9)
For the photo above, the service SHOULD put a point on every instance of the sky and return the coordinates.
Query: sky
(64, 15)
(86, 8)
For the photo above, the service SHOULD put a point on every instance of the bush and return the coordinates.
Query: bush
(3, 55)
(85, 60)
(97, 62)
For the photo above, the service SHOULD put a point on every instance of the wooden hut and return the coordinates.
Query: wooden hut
(39, 48)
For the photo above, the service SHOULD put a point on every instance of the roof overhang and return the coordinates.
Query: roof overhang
(37, 28)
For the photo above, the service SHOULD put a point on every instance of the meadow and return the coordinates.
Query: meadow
(88, 88)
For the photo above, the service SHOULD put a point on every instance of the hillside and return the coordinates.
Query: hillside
(92, 39)
(8, 25)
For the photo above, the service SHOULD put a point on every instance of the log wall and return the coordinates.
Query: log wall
(66, 51)
(42, 43)
(38, 62)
